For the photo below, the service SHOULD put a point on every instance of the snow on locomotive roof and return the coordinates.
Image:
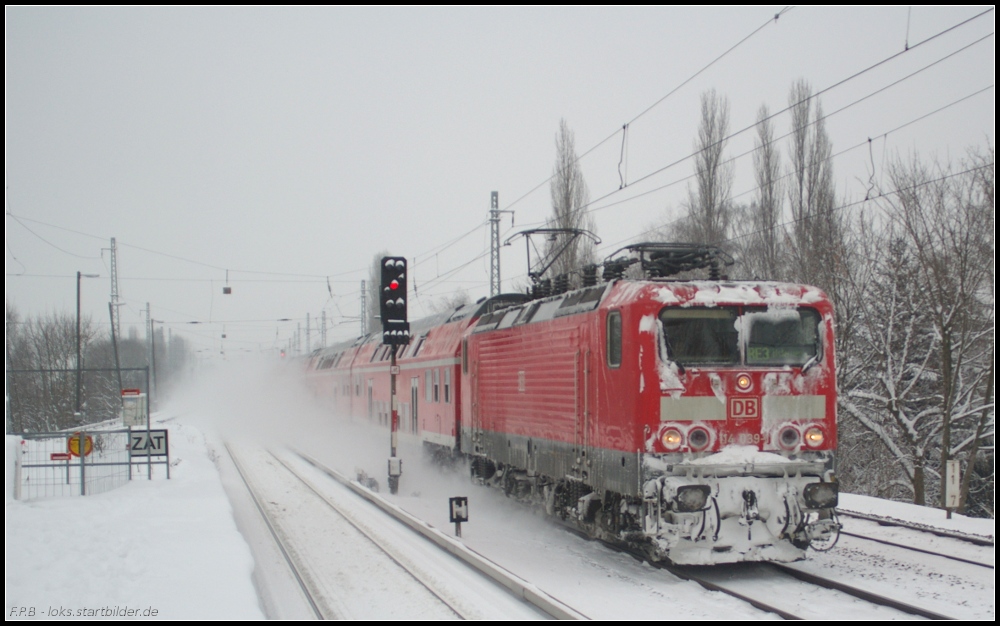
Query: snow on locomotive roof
(713, 293)
(707, 293)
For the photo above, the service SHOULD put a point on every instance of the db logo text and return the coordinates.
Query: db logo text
(744, 408)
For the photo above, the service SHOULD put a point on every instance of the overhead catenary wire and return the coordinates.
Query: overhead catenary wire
(788, 174)
(600, 143)
(883, 134)
(448, 273)
(586, 208)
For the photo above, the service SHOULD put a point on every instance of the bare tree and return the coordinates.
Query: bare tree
(41, 361)
(708, 204)
(458, 298)
(570, 197)
(818, 232)
(759, 236)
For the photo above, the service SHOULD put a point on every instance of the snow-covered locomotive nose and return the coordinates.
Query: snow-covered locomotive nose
(738, 505)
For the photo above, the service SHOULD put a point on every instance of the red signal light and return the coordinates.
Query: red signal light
(394, 285)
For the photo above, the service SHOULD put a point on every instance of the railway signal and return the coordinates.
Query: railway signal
(392, 302)
(395, 332)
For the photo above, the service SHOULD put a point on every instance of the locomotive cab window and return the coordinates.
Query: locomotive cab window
(705, 335)
(783, 337)
(735, 335)
(614, 339)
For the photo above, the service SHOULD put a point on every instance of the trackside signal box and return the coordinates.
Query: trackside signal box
(133, 407)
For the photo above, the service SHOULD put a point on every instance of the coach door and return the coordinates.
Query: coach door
(476, 426)
(371, 399)
(584, 393)
(414, 401)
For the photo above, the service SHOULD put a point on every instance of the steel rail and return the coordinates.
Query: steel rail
(279, 542)
(915, 549)
(519, 587)
(978, 540)
(371, 537)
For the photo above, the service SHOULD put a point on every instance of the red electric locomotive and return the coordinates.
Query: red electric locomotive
(693, 420)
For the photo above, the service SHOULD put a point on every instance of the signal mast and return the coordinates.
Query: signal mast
(395, 333)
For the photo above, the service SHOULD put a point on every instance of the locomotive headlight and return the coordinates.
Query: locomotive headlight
(820, 495)
(788, 437)
(691, 498)
(698, 438)
(814, 437)
(671, 439)
(744, 382)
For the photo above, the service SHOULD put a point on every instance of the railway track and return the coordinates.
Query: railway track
(755, 583)
(372, 569)
(803, 595)
(516, 586)
(978, 540)
(765, 587)
(913, 548)
(279, 541)
(918, 538)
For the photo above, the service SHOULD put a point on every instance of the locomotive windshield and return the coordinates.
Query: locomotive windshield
(783, 337)
(701, 335)
(735, 335)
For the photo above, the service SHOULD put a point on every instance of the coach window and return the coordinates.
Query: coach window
(447, 385)
(614, 339)
(427, 385)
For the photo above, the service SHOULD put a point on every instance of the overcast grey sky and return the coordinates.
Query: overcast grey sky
(288, 146)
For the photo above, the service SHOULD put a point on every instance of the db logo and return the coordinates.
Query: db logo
(744, 408)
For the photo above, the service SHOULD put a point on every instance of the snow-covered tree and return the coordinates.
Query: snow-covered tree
(918, 368)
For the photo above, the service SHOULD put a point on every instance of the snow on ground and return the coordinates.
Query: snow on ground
(172, 545)
(166, 549)
(931, 517)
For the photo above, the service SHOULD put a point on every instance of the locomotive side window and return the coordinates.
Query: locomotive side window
(783, 337)
(701, 335)
(614, 339)
(437, 383)
(447, 385)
